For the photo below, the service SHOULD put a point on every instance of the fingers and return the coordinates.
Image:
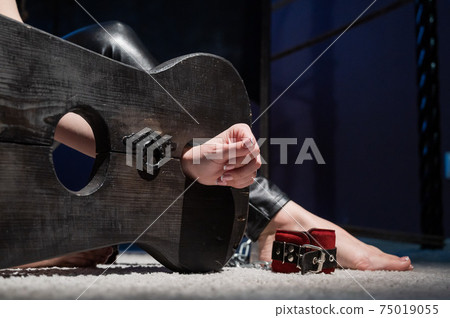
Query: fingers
(248, 170)
(241, 177)
(237, 132)
(237, 141)
(234, 150)
(242, 183)
(240, 149)
(241, 161)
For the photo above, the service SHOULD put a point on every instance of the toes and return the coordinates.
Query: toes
(85, 259)
(373, 259)
(388, 262)
(108, 251)
(400, 264)
(99, 256)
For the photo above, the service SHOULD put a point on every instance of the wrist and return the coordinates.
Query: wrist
(186, 163)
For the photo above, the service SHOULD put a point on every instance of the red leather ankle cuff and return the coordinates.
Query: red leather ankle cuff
(311, 251)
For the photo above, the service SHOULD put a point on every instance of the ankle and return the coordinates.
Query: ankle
(294, 218)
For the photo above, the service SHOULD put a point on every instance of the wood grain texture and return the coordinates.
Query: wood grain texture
(43, 77)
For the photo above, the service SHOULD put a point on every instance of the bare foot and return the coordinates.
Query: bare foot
(81, 259)
(351, 252)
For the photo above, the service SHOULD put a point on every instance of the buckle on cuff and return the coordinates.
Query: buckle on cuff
(294, 251)
(320, 261)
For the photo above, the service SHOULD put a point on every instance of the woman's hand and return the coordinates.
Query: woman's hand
(229, 159)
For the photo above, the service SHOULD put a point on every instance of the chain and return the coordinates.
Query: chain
(241, 258)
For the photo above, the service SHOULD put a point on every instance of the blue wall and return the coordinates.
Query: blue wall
(358, 102)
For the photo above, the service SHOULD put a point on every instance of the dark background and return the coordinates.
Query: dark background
(358, 101)
(168, 28)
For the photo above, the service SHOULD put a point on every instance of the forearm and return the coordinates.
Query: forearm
(75, 132)
(72, 129)
(9, 9)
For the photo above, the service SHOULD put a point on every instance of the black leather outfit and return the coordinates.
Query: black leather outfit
(119, 42)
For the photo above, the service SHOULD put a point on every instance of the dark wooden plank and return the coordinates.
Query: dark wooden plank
(41, 78)
(41, 219)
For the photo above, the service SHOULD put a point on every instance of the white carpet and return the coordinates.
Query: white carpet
(138, 276)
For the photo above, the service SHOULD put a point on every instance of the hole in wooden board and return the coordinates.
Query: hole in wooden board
(80, 153)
